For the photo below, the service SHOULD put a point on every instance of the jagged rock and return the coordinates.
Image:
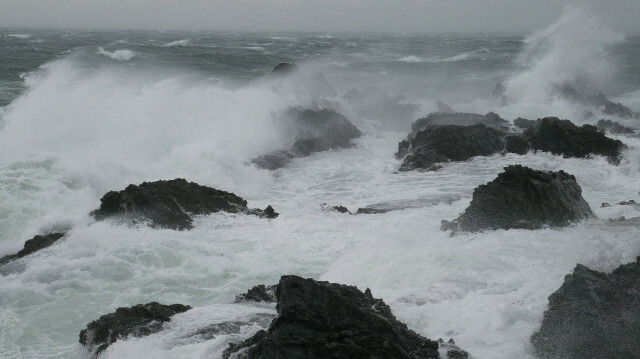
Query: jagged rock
(561, 137)
(32, 245)
(315, 131)
(523, 123)
(460, 119)
(588, 96)
(259, 293)
(521, 197)
(326, 320)
(613, 127)
(517, 144)
(171, 204)
(137, 321)
(593, 315)
(451, 351)
(444, 143)
(284, 68)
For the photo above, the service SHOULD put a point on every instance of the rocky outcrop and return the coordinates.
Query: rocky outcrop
(588, 96)
(614, 127)
(562, 137)
(259, 293)
(171, 204)
(326, 320)
(593, 315)
(315, 131)
(517, 144)
(523, 198)
(523, 123)
(460, 119)
(32, 245)
(137, 321)
(443, 143)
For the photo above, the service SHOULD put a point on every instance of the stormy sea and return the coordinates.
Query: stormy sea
(83, 113)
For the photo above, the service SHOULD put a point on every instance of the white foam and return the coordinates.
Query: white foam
(411, 58)
(178, 43)
(120, 55)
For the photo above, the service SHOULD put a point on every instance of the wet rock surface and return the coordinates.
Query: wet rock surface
(259, 293)
(443, 143)
(523, 198)
(137, 321)
(32, 245)
(593, 315)
(315, 131)
(562, 137)
(171, 204)
(326, 320)
(460, 119)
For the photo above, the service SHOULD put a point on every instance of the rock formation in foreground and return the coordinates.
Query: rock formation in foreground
(523, 198)
(171, 204)
(137, 321)
(326, 320)
(315, 131)
(32, 245)
(593, 315)
(443, 143)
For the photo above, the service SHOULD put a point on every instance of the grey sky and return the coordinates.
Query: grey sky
(312, 15)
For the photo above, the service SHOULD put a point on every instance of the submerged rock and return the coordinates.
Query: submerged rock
(523, 198)
(171, 204)
(562, 137)
(315, 131)
(284, 68)
(449, 350)
(32, 245)
(137, 321)
(443, 143)
(614, 127)
(593, 315)
(326, 320)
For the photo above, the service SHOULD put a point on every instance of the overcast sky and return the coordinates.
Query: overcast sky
(312, 15)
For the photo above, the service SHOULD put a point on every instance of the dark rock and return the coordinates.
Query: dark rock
(436, 144)
(593, 315)
(627, 203)
(171, 204)
(444, 108)
(524, 123)
(613, 127)
(460, 119)
(325, 320)
(32, 245)
(605, 205)
(453, 351)
(517, 144)
(315, 131)
(561, 137)
(369, 210)
(284, 68)
(137, 321)
(259, 293)
(521, 197)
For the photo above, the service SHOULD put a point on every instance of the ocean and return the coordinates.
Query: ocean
(86, 112)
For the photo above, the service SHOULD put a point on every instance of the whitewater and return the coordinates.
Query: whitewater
(86, 112)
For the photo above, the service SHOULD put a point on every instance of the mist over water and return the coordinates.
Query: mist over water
(88, 112)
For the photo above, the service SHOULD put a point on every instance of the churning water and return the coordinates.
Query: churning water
(84, 112)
